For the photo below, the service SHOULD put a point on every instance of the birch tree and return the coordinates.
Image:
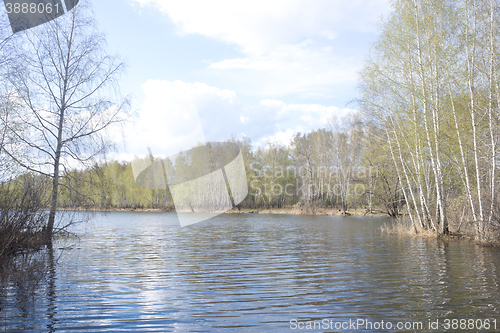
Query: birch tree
(431, 83)
(64, 81)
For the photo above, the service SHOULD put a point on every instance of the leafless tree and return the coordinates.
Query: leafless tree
(64, 81)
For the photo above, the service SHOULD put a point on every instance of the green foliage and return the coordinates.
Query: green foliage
(430, 87)
(324, 168)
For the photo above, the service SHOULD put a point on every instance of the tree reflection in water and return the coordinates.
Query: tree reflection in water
(23, 278)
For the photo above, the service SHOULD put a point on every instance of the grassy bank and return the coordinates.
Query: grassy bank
(296, 210)
(457, 231)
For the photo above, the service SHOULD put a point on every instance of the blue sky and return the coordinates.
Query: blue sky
(203, 70)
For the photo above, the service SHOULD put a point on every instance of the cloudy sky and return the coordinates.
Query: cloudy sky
(204, 70)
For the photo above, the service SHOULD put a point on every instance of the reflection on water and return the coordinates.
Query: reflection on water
(251, 273)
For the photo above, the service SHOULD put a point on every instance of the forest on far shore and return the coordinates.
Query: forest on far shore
(335, 167)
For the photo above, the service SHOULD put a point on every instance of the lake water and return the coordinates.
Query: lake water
(133, 272)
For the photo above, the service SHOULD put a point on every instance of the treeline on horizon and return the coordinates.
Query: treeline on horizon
(335, 167)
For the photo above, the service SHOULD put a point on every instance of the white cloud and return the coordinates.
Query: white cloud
(302, 68)
(288, 47)
(282, 137)
(331, 35)
(259, 26)
(172, 115)
(282, 57)
(283, 120)
(178, 115)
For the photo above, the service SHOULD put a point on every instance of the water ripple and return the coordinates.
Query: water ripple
(251, 273)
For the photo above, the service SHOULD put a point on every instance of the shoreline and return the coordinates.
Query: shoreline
(397, 229)
(282, 210)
